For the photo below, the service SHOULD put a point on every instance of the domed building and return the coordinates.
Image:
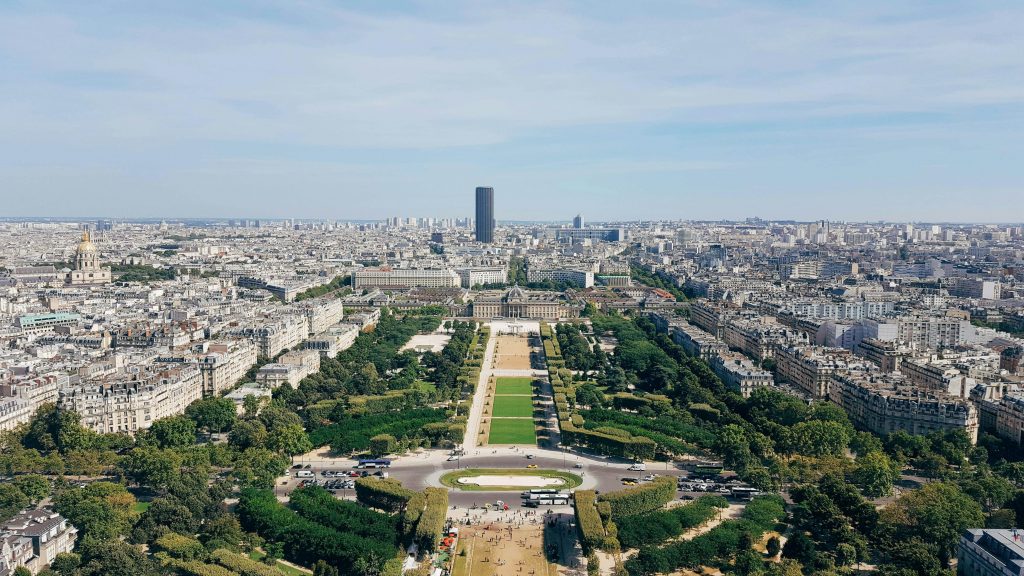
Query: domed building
(87, 270)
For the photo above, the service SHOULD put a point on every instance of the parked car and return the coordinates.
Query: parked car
(531, 465)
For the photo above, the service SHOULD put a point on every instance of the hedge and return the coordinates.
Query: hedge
(411, 516)
(385, 494)
(242, 564)
(636, 447)
(305, 542)
(319, 505)
(179, 546)
(641, 499)
(431, 523)
(660, 525)
(588, 521)
(193, 568)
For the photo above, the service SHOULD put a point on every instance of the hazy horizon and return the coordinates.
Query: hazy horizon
(653, 111)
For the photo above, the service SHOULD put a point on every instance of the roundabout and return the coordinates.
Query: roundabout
(503, 479)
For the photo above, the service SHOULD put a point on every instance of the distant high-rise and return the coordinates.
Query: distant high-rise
(577, 222)
(485, 215)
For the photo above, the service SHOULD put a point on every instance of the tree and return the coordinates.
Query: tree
(212, 414)
(66, 563)
(151, 467)
(773, 546)
(114, 558)
(101, 510)
(34, 486)
(22, 571)
(820, 438)
(11, 500)
(875, 474)
(174, 432)
(289, 440)
(937, 513)
(322, 568)
(248, 433)
(250, 405)
(223, 531)
(383, 444)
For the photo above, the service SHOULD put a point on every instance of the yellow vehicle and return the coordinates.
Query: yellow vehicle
(531, 465)
(629, 483)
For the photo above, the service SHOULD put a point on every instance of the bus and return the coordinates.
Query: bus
(708, 468)
(374, 464)
(745, 492)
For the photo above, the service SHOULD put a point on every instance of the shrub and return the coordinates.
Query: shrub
(178, 546)
(385, 494)
(641, 499)
(588, 521)
(242, 564)
(431, 523)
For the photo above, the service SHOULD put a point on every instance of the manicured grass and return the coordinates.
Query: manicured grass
(514, 386)
(141, 507)
(513, 407)
(451, 479)
(518, 431)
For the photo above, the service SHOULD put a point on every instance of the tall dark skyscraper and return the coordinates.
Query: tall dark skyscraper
(485, 215)
(577, 222)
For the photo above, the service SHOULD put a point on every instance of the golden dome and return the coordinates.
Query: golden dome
(86, 244)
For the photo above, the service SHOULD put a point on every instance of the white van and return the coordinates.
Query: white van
(304, 474)
(638, 467)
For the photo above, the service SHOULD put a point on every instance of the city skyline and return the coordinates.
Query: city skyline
(870, 112)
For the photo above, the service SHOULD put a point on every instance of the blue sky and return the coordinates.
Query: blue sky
(697, 109)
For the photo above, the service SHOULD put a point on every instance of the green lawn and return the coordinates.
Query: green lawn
(282, 568)
(513, 407)
(514, 386)
(518, 431)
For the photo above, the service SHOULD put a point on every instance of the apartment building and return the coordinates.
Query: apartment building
(886, 355)
(885, 403)
(333, 340)
(224, 363)
(810, 368)
(405, 278)
(581, 278)
(320, 313)
(990, 552)
(33, 539)
(290, 369)
(695, 341)
(273, 335)
(20, 399)
(711, 317)
(739, 373)
(478, 276)
(132, 399)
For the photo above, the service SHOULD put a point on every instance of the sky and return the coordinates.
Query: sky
(701, 109)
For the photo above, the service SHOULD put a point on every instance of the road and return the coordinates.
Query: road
(418, 471)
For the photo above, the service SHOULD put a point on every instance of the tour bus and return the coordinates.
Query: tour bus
(374, 464)
(706, 469)
(744, 492)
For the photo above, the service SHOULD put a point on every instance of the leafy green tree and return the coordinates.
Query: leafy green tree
(112, 557)
(937, 513)
(223, 531)
(22, 571)
(151, 467)
(289, 440)
(11, 500)
(248, 433)
(875, 474)
(173, 432)
(212, 414)
(820, 438)
(322, 568)
(66, 563)
(34, 486)
(773, 546)
(383, 444)
(250, 405)
(101, 510)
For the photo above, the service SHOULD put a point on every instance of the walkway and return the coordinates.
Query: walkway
(472, 438)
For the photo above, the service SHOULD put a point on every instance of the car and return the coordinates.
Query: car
(724, 490)
(686, 497)
(308, 466)
(530, 456)
(577, 465)
(531, 465)
(629, 482)
(648, 478)
(297, 466)
(452, 457)
(328, 474)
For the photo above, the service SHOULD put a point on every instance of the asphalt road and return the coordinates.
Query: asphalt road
(419, 471)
